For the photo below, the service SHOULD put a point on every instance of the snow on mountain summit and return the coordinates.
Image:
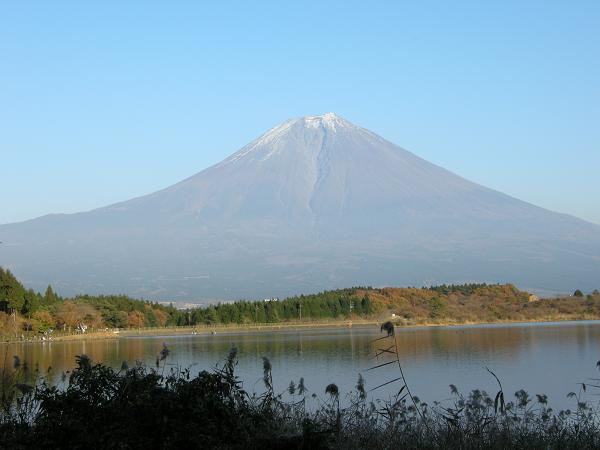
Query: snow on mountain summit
(329, 121)
(280, 135)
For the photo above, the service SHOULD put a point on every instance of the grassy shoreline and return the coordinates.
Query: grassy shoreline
(284, 326)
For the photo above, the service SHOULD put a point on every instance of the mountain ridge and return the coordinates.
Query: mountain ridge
(314, 203)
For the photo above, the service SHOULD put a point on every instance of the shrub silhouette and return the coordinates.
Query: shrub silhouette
(140, 407)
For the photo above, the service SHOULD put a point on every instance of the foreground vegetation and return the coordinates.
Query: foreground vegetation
(26, 314)
(169, 407)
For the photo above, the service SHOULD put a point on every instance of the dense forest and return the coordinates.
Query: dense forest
(23, 311)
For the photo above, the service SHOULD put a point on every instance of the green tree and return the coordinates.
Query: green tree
(366, 306)
(31, 303)
(261, 316)
(149, 317)
(12, 293)
(49, 296)
(436, 307)
(114, 318)
(211, 315)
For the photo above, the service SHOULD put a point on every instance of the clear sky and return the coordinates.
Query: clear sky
(101, 103)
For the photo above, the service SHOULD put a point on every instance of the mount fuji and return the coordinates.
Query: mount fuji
(314, 203)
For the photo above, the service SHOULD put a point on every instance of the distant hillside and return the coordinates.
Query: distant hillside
(469, 303)
(478, 303)
(26, 313)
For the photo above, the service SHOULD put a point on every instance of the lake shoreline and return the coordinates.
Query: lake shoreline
(283, 326)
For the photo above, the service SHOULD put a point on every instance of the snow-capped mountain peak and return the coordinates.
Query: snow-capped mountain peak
(329, 121)
(314, 203)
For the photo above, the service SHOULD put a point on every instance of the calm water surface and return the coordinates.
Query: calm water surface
(549, 358)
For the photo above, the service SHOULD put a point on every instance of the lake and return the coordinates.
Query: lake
(542, 358)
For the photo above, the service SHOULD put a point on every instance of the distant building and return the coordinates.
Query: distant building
(534, 298)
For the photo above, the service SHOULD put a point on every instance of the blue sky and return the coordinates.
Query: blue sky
(101, 103)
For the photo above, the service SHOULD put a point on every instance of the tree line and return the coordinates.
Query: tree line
(24, 310)
(340, 303)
